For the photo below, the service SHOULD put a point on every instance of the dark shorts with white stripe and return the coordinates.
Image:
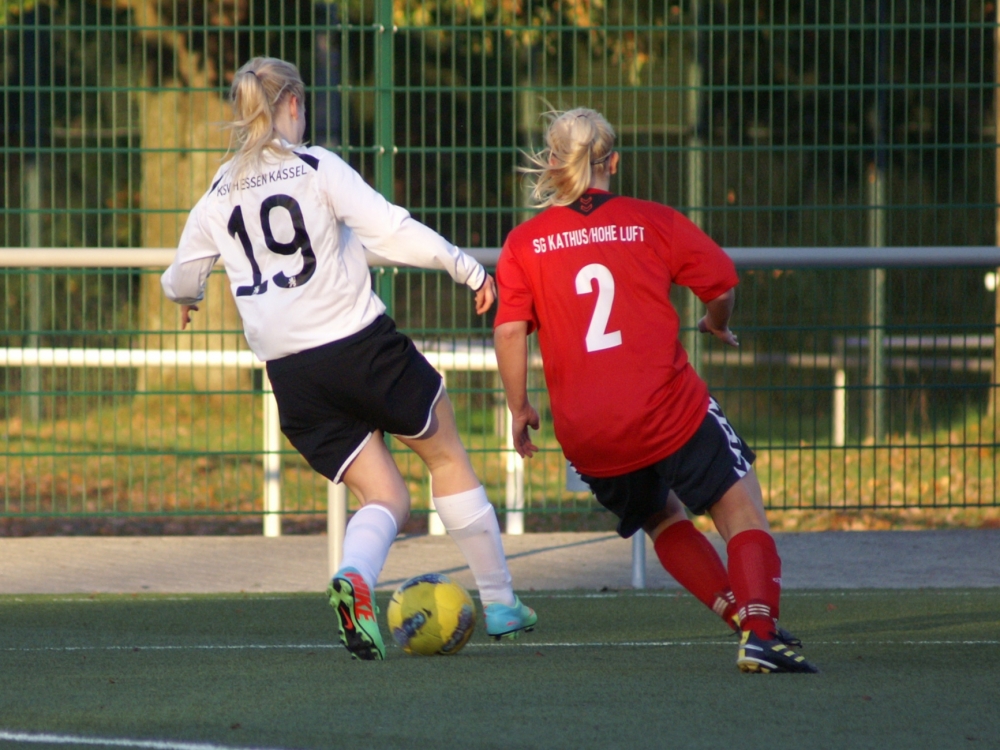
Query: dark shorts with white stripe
(331, 399)
(700, 473)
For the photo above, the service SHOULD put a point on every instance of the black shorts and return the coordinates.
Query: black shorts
(331, 399)
(700, 473)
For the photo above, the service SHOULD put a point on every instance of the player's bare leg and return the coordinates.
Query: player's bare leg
(441, 449)
(688, 556)
(741, 508)
(470, 520)
(375, 480)
(373, 477)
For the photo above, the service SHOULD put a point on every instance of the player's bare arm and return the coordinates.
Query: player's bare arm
(510, 341)
(716, 319)
(486, 295)
(186, 311)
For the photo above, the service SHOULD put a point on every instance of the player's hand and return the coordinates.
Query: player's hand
(486, 295)
(520, 423)
(722, 334)
(186, 311)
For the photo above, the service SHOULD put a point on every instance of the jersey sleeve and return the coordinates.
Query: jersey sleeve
(516, 302)
(184, 281)
(697, 262)
(388, 230)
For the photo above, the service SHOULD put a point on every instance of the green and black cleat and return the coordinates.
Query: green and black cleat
(352, 600)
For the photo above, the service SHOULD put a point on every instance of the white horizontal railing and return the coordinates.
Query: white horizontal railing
(743, 257)
(73, 357)
(85, 257)
(459, 357)
(147, 257)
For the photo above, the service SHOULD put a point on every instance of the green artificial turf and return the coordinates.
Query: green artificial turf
(612, 670)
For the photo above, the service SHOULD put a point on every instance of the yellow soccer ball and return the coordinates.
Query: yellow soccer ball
(431, 614)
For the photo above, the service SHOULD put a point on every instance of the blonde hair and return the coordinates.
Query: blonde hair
(259, 87)
(579, 144)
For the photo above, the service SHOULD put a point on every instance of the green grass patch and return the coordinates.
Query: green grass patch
(614, 669)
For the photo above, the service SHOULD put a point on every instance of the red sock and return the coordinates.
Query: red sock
(691, 559)
(755, 574)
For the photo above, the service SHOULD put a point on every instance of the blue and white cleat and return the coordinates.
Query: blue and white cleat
(508, 622)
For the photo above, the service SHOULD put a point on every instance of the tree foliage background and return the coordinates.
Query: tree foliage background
(813, 91)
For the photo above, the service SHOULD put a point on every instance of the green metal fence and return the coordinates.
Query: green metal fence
(777, 124)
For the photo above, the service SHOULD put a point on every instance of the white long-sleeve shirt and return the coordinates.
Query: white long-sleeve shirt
(292, 237)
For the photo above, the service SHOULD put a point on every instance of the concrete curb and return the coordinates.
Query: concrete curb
(176, 564)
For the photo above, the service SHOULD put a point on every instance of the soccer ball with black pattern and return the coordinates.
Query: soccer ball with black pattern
(431, 615)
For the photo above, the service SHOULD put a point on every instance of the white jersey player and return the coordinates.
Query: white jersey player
(292, 224)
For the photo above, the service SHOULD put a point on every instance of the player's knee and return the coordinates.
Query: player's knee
(657, 523)
(445, 456)
(399, 509)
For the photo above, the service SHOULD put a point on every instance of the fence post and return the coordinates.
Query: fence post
(32, 384)
(877, 231)
(435, 526)
(514, 499)
(384, 131)
(639, 560)
(336, 524)
(840, 407)
(694, 173)
(994, 401)
(272, 462)
(839, 363)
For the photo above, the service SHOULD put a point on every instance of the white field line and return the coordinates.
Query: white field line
(194, 647)
(678, 593)
(146, 598)
(518, 645)
(71, 739)
(673, 594)
(729, 643)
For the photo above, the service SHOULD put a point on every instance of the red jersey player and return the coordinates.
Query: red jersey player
(592, 275)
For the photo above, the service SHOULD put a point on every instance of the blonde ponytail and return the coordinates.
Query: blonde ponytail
(579, 144)
(258, 88)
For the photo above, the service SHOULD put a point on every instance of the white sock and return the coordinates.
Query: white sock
(367, 540)
(472, 523)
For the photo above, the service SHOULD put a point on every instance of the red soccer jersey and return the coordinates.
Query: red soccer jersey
(594, 280)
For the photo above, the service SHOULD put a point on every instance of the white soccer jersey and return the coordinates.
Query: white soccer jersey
(292, 237)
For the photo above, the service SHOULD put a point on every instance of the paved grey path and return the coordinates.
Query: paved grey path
(847, 559)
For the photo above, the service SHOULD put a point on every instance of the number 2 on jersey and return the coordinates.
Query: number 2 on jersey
(300, 242)
(598, 337)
